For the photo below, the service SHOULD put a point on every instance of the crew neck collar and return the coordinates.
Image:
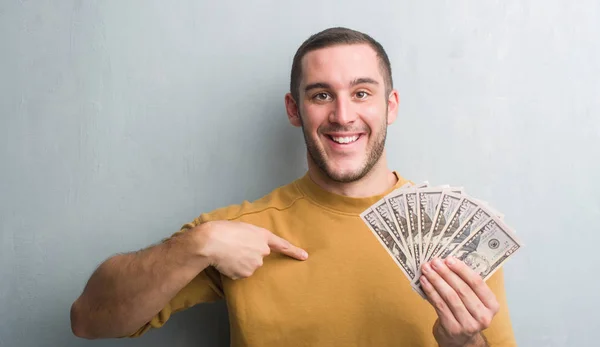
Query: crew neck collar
(342, 203)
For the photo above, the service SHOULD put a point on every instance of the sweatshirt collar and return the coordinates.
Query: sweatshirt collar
(341, 203)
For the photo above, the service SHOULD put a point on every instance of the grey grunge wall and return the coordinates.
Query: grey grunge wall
(122, 120)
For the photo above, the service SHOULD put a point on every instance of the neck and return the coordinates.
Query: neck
(378, 180)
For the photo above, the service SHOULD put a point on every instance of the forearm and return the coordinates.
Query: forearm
(127, 290)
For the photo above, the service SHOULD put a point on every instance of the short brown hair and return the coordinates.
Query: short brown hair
(337, 36)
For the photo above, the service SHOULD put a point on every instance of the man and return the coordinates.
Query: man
(347, 292)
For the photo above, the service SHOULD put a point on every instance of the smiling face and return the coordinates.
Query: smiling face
(343, 109)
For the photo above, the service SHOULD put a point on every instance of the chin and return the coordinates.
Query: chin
(346, 174)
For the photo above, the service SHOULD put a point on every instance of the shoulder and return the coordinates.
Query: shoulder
(279, 199)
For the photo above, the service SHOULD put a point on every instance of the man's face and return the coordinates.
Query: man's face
(343, 110)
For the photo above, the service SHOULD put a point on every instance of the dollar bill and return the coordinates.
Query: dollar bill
(466, 208)
(411, 205)
(488, 247)
(473, 223)
(416, 223)
(429, 204)
(489, 207)
(387, 241)
(448, 204)
(385, 215)
(396, 202)
(424, 184)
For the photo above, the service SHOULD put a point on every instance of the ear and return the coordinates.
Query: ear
(292, 110)
(393, 101)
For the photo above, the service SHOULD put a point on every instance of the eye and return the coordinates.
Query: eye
(362, 94)
(321, 96)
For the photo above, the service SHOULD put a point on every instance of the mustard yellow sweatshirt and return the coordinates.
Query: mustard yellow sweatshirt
(348, 293)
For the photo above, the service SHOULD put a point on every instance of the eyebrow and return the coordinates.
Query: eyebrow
(323, 85)
(364, 80)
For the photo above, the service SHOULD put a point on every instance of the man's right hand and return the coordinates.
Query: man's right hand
(237, 249)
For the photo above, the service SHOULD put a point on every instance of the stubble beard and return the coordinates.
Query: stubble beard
(374, 153)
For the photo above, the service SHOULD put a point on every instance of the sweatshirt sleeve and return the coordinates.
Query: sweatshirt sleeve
(500, 332)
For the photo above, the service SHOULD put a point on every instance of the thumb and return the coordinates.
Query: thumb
(277, 244)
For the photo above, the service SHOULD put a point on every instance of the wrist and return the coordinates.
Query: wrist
(445, 340)
(478, 341)
(201, 239)
(474, 341)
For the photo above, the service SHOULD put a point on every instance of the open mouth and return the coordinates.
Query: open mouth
(343, 140)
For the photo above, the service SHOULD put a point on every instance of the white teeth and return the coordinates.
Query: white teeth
(347, 139)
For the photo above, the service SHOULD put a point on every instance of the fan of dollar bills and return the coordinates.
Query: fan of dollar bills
(416, 223)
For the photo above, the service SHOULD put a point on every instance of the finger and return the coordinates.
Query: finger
(475, 282)
(471, 301)
(443, 311)
(447, 293)
(283, 246)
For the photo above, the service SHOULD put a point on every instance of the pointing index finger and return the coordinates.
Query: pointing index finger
(283, 246)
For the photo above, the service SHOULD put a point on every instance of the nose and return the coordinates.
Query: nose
(342, 112)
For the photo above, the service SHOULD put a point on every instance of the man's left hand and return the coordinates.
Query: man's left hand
(464, 303)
